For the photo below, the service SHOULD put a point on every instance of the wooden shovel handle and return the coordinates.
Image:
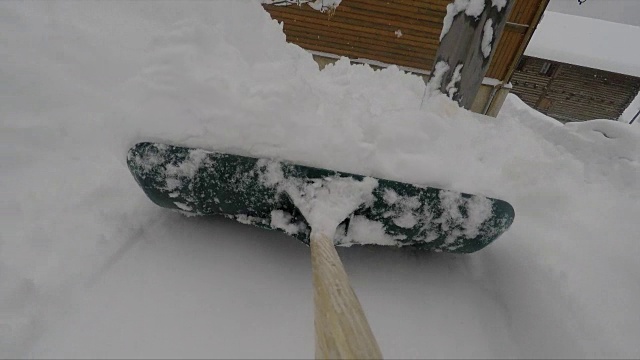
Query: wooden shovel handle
(342, 330)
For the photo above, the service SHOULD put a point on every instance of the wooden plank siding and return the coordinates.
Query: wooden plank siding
(573, 93)
(506, 53)
(367, 29)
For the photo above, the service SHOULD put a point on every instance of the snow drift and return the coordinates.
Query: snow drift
(90, 268)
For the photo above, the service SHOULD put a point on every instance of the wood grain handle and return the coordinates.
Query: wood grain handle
(342, 330)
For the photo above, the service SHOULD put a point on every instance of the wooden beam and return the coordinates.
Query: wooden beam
(462, 46)
(515, 27)
(527, 37)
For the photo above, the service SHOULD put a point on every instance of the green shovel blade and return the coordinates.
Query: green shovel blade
(200, 182)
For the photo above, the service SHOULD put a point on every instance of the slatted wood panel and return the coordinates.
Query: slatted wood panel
(367, 29)
(528, 83)
(506, 53)
(580, 93)
(574, 93)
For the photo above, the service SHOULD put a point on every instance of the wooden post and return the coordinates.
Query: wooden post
(463, 45)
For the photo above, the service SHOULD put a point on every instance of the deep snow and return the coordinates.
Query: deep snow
(90, 268)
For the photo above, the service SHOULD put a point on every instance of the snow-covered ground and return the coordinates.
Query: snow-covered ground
(90, 268)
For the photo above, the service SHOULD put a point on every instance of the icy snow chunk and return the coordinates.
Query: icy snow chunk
(478, 211)
(401, 209)
(324, 5)
(186, 169)
(246, 219)
(319, 5)
(270, 172)
(452, 220)
(457, 76)
(448, 20)
(487, 38)
(390, 197)
(450, 203)
(406, 220)
(472, 8)
(363, 231)
(433, 86)
(282, 220)
(182, 206)
(499, 4)
(151, 160)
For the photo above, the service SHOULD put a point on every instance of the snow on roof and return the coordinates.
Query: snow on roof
(587, 42)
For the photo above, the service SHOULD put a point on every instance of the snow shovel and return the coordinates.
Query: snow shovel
(322, 208)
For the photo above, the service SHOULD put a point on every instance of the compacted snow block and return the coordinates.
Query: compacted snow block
(271, 194)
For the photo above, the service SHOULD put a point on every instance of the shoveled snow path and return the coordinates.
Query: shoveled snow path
(195, 287)
(209, 287)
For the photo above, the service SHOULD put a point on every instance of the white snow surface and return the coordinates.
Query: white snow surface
(283, 220)
(325, 5)
(455, 79)
(487, 38)
(499, 4)
(587, 42)
(319, 5)
(89, 267)
(436, 79)
(473, 8)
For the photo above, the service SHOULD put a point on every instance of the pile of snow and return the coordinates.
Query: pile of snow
(473, 8)
(487, 38)
(609, 150)
(89, 267)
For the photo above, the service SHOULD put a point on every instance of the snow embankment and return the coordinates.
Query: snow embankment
(90, 268)
(609, 150)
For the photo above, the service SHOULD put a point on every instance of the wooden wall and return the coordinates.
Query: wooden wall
(569, 92)
(370, 29)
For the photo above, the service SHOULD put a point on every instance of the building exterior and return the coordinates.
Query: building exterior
(577, 69)
(569, 92)
(405, 33)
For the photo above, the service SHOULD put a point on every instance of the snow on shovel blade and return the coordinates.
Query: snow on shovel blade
(250, 190)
